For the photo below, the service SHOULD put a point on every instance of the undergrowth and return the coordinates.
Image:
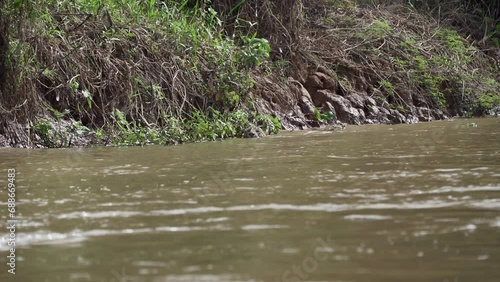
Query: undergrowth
(131, 68)
(405, 55)
(128, 72)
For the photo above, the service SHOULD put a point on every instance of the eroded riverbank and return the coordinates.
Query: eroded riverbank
(137, 73)
(369, 203)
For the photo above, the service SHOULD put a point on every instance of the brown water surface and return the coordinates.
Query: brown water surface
(371, 203)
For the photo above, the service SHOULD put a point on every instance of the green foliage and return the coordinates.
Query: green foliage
(488, 98)
(400, 63)
(421, 64)
(43, 128)
(451, 38)
(328, 116)
(323, 117)
(48, 73)
(58, 134)
(409, 43)
(387, 86)
(400, 108)
(462, 54)
(198, 127)
(254, 51)
(193, 34)
(193, 37)
(381, 27)
(483, 17)
(431, 85)
(378, 29)
(486, 102)
(268, 123)
(212, 69)
(20, 57)
(494, 35)
(58, 115)
(428, 72)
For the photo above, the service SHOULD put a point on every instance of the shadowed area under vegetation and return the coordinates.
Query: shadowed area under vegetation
(129, 72)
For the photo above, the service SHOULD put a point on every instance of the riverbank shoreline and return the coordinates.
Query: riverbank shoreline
(90, 141)
(170, 74)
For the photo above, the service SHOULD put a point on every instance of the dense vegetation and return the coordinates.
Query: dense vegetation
(131, 72)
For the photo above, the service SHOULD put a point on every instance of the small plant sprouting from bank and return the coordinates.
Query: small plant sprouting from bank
(387, 86)
(378, 29)
(254, 51)
(323, 117)
(268, 123)
(486, 102)
(57, 134)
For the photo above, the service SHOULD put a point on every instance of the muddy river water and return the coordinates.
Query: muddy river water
(370, 203)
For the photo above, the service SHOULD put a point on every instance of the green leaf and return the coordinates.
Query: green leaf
(317, 115)
(328, 115)
(18, 3)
